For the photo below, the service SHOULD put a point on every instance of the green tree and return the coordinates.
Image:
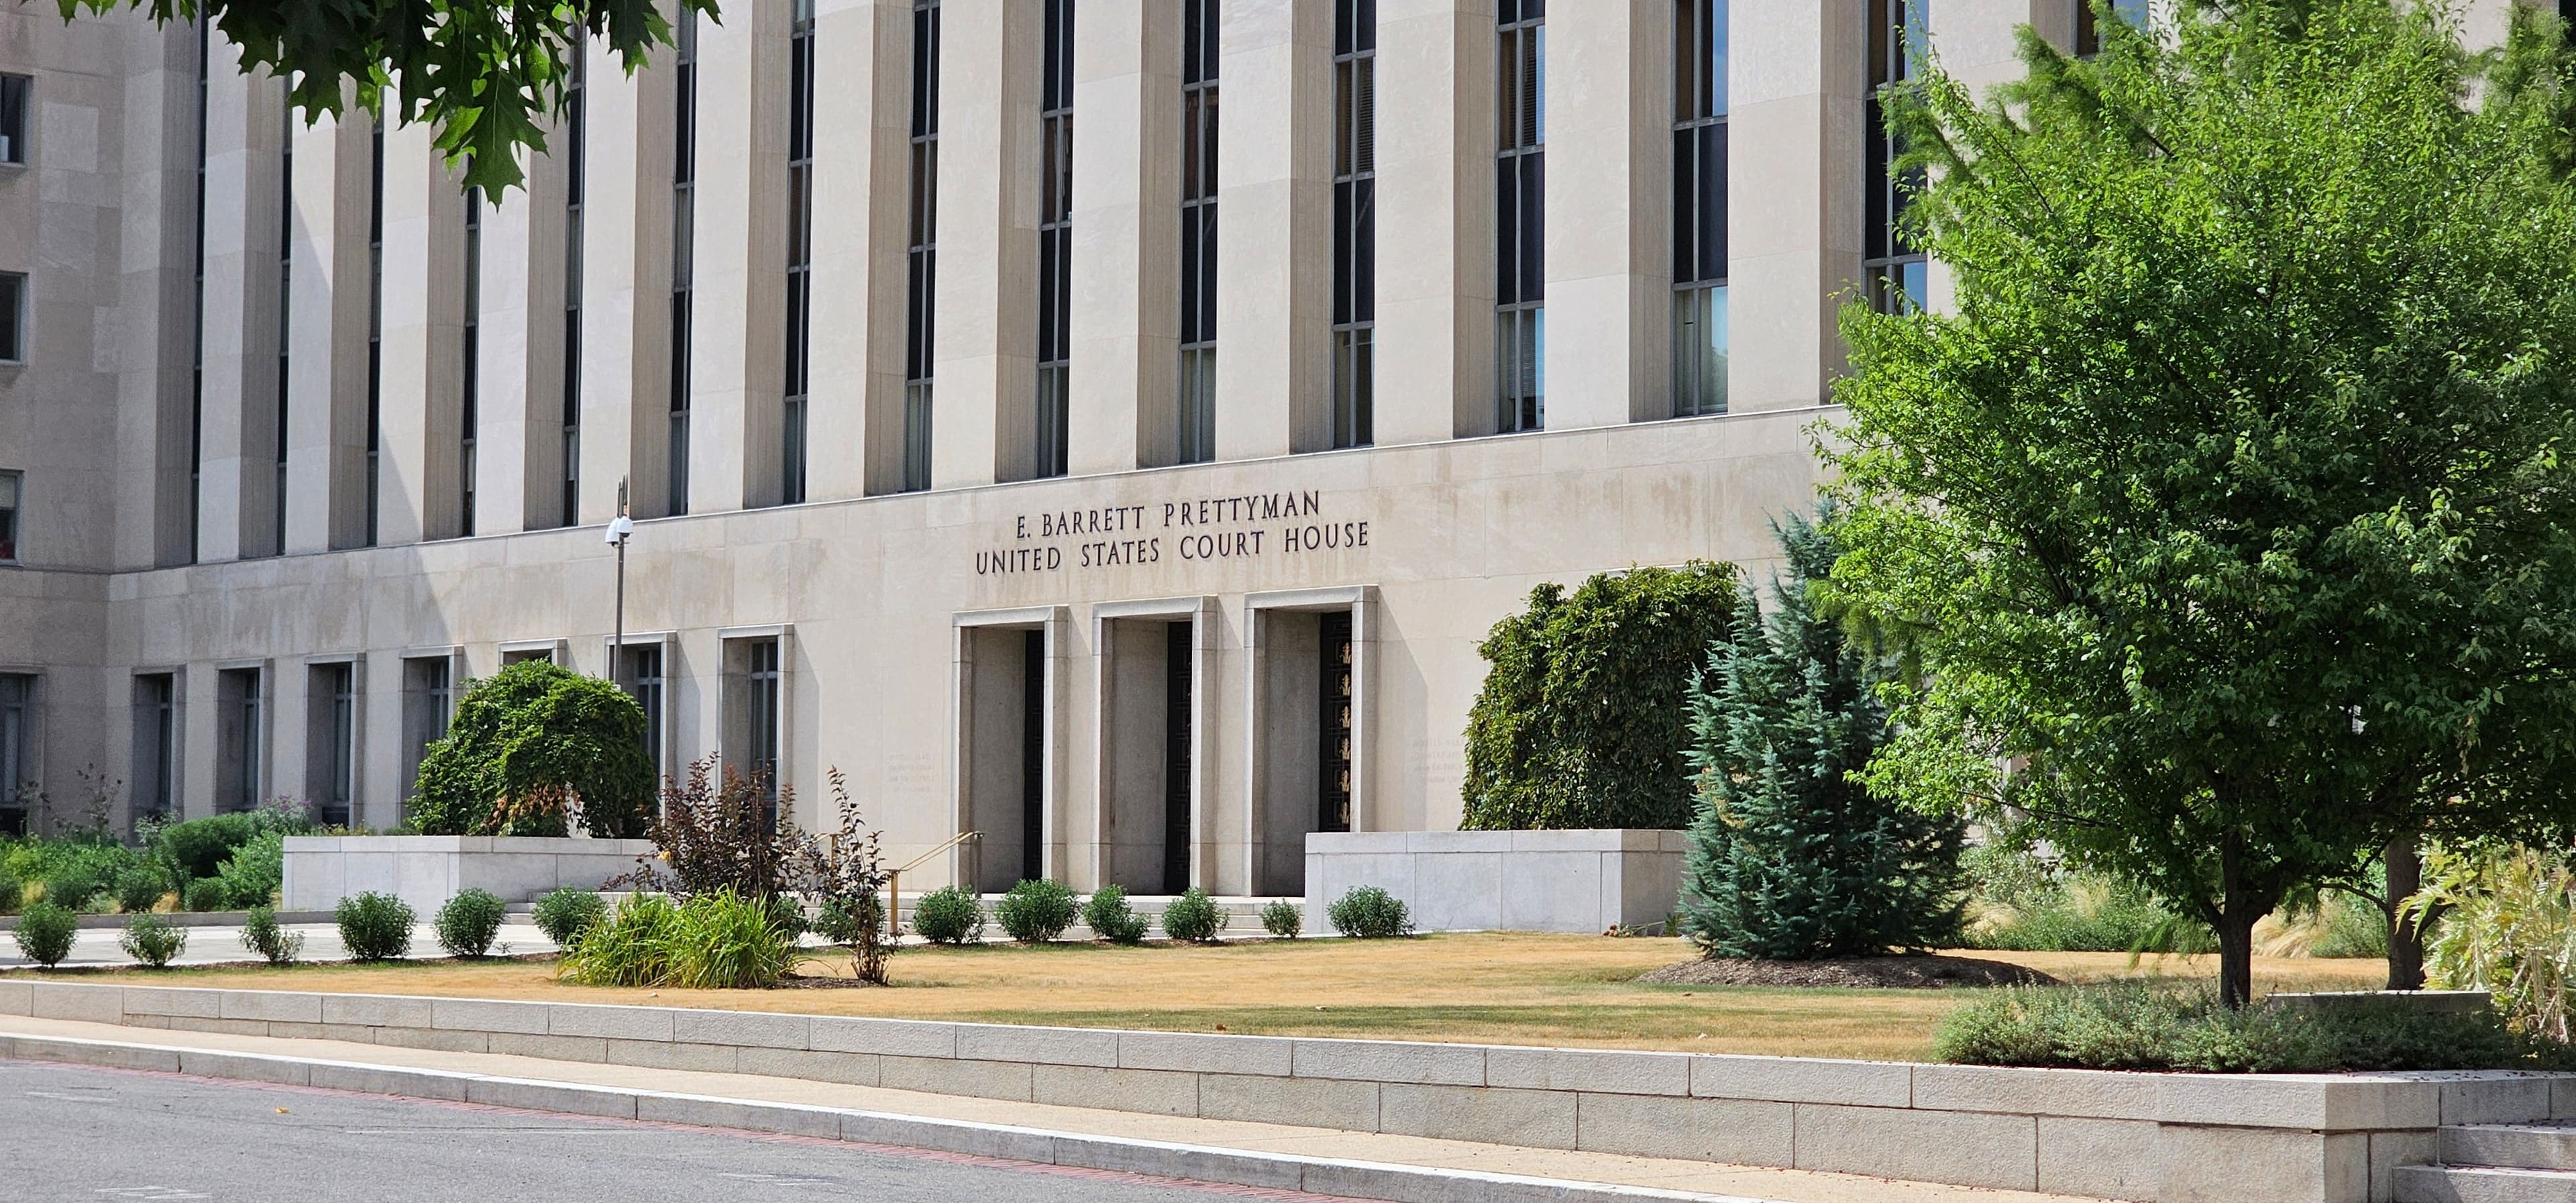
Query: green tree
(1580, 721)
(2232, 505)
(529, 743)
(1791, 858)
(484, 72)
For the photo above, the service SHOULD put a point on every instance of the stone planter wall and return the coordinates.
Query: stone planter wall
(1561, 881)
(427, 870)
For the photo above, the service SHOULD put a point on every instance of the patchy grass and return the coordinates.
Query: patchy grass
(1490, 988)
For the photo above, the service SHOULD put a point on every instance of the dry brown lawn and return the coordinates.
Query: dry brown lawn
(1489, 988)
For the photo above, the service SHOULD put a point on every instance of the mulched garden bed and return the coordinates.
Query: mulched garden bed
(1907, 972)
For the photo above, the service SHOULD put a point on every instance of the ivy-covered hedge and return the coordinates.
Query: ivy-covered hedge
(526, 743)
(1583, 716)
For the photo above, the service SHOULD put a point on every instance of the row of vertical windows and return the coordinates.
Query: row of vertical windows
(921, 253)
(1055, 238)
(470, 371)
(1699, 207)
(575, 133)
(800, 247)
(1198, 231)
(197, 296)
(684, 222)
(1354, 375)
(1520, 215)
(285, 303)
(1894, 268)
(375, 325)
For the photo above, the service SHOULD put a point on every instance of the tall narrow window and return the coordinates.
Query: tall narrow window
(197, 314)
(331, 742)
(10, 483)
(1520, 215)
(429, 696)
(156, 745)
(921, 287)
(470, 371)
(240, 739)
(800, 248)
(13, 317)
(2088, 31)
(684, 220)
(1334, 728)
(1055, 236)
(752, 711)
(18, 784)
(1354, 222)
(640, 672)
(285, 307)
(575, 186)
(1898, 279)
(1699, 207)
(13, 118)
(375, 326)
(1198, 230)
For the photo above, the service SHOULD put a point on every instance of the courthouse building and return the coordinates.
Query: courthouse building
(1062, 454)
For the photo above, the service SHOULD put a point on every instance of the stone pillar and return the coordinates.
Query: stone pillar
(1435, 220)
(626, 284)
(862, 176)
(1609, 212)
(1274, 311)
(1794, 87)
(511, 392)
(157, 242)
(987, 309)
(738, 348)
(237, 472)
(329, 305)
(1976, 42)
(416, 472)
(1126, 235)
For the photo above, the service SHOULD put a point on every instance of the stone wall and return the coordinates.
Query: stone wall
(1568, 881)
(427, 870)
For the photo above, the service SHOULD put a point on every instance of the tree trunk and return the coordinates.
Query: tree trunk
(2235, 929)
(2405, 936)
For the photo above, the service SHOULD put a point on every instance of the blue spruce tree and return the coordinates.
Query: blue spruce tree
(1790, 858)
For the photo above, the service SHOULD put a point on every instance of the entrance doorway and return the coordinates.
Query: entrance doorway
(1309, 727)
(1153, 699)
(1006, 751)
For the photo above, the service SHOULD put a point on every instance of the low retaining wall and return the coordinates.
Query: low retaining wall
(427, 870)
(2173, 1138)
(1564, 881)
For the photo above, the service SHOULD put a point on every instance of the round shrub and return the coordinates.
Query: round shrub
(563, 913)
(1194, 917)
(1369, 913)
(1110, 918)
(948, 915)
(528, 738)
(45, 932)
(469, 923)
(199, 847)
(139, 887)
(262, 934)
(1283, 918)
(74, 883)
(254, 872)
(153, 940)
(207, 894)
(375, 927)
(1035, 912)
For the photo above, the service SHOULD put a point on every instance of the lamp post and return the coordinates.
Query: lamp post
(619, 528)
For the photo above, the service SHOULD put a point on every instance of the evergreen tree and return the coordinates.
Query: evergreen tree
(1790, 857)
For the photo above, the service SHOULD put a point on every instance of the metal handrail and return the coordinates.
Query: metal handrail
(952, 841)
(894, 882)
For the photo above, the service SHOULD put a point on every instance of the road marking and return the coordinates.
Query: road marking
(104, 1096)
(777, 1180)
(149, 1192)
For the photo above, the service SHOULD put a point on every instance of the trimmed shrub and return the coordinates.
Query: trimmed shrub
(375, 927)
(1037, 911)
(1283, 918)
(563, 913)
(724, 941)
(630, 946)
(206, 894)
(139, 887)
(2137, 1027)
(45, 932)
(153, 940)
(254, 872)
(262, 934)
(1194, 917)
(1369, 913)
(1110, 918)
(528, 745)
(948, 915)
(469, 923)
(199, 847)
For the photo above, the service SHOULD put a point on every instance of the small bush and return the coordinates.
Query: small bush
(199, 847)
(254, 872)
(13, 893)
(1283, 918)
(469, 923)
(1110, 918)
(140, 886)
(74, 883)
(630, 946)
(153, 940)
(1194, 917)
(45, 933)
(724, 941)
(262, 934)
(2349, 927)
(206, 894)
(1369, 913)
(948, 915)
(563, 913)
(375, 927)
(1035, 912)
(2137, 1027)
(848, 923)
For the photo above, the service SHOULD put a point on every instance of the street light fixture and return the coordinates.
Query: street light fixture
(620, 528)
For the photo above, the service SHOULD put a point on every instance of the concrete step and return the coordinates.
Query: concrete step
(2519, 1146)
(2480, 1184)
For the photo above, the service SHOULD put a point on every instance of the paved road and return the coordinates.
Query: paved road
(75, 1133)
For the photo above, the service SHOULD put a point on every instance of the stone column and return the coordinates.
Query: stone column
(987, 310)
(329, 305)
(507, 389)
(1794, 88)
(1126, 235)
(1609, 212)
(739, 348)
(416, 472)
(862, 204)
(1976, 42)
(1274, 310)
(237, 465)
(157, 241)
(1435, 219)
(626, 284)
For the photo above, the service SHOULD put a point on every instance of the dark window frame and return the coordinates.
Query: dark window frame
(1520, 216)
(1354, 341)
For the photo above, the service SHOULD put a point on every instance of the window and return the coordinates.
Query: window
(331, 742)
(800, 247)
(429, 699)
(753, 700)
(576, 119)
(10, 503)
(639, 671)
(1354, 382)
(921, 286)
(13, 118)
(1897, 277)
(470, 370)
(1699, 207)
(1198, 231)
(156, 745)
(2088, 34)
(240, 737)
(197, 310)
(1055, 236)
(684, 219)
(13, 317)
(285, 312)
(1520, 215)
(18, 784)
(375, 328)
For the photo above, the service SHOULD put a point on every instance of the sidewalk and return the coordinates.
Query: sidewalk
(1372, 1165)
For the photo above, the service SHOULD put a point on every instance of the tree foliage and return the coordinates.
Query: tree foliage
(1790, 857)
(1580, 722)
(485, 73)
(2233, 502)
(531, 744)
